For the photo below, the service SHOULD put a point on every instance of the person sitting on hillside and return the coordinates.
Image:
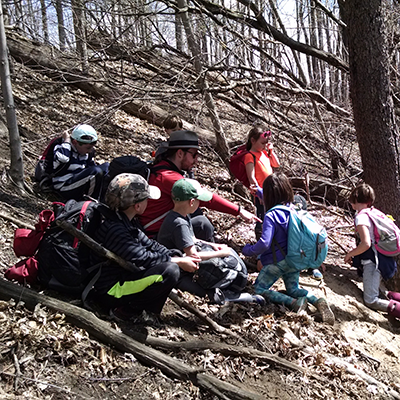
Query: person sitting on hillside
(155, 269)
(78, 174)
(176, 232)
(182, 155)
(370, 263)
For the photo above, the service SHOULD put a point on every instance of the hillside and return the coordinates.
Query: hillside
(43, 355)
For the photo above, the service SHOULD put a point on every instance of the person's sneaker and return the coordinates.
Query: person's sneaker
(317, 275)
(217, 297)
(257, 298)
(124, 313)
(325, 311)
(300, 304)
(150, 319)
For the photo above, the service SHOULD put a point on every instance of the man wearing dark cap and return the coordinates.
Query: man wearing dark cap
(142, 291)
(181, 156)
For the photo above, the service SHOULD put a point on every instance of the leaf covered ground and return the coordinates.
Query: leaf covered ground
(43, 356)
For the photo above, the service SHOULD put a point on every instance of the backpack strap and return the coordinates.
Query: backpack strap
(80, 221)
(274, 241)
(156, 220)
(171, 167)
(94, 279)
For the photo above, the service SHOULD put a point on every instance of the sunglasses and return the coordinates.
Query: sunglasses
(266, 134)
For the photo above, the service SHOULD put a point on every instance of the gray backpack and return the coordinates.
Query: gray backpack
(226, 273)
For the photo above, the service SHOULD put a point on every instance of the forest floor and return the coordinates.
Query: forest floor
(43, 356)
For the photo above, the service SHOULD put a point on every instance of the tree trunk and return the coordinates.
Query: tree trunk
(44, 21)
(62, 37)
(222, 146)
(17, 166)
(370, 93)
(80, 33)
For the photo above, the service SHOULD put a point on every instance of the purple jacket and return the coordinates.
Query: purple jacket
(275, 226)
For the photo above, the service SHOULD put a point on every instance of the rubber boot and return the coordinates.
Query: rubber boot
(393, 296)
(394, 308)
(325, 311)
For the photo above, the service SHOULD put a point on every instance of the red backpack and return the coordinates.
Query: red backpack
(237, 166)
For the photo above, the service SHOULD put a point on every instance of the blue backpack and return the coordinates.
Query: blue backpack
(307, 245)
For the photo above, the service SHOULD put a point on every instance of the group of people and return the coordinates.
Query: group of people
(158, 224)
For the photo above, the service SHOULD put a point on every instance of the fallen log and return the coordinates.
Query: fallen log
(223, 348)
(102, 331)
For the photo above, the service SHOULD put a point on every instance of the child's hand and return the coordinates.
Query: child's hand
(270, 146)
(348, 258)
(259, 265)
(189, 264)
(218, 246)
(253, 189)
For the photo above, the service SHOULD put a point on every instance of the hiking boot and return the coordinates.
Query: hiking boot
(150, 319)
(124, 313)
(217, 297)
(325, 311)
(299, 304)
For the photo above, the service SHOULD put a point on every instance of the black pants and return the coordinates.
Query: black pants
(154, 296)
(203, 228)
(89, 181)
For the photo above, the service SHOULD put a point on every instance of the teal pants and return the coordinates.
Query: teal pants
(270, 274)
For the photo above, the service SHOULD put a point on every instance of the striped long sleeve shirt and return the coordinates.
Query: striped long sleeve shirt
(66, 154)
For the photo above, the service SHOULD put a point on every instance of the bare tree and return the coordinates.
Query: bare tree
(17, 167)
(62, 37)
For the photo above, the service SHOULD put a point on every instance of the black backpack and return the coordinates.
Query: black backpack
(64, 263)
(226, 273)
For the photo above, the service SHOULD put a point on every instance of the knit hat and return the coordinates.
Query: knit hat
(84, 134)
(187, 189)
(128, 189)
(183, 140)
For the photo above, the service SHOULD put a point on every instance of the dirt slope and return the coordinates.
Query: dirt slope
(56, 360)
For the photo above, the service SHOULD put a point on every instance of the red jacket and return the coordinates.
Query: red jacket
(164, 179)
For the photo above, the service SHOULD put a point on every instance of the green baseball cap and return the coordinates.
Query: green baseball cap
(187, 189)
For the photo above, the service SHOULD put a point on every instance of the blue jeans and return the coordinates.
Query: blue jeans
(371, 281)
(270, 274)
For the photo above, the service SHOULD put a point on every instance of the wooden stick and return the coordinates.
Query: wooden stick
(204, 317)
(16, 221)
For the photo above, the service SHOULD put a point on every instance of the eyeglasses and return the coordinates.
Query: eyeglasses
(266, 134)
(194, 155)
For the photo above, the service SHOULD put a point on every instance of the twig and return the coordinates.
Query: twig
(345, 251)
(212, 324)
(17, 371)
(16, 221)
(46, 383)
